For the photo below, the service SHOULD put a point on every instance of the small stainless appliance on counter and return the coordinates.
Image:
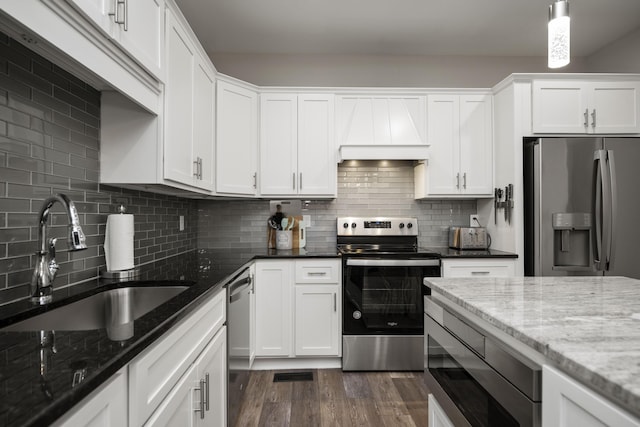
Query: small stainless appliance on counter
(468, 238)
(383, 269)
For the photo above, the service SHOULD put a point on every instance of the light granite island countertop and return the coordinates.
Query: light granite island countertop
(588, 327)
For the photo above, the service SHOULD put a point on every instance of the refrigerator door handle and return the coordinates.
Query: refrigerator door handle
(596, 207)
(613, 188)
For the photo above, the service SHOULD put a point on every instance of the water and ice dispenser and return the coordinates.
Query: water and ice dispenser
(571, 241)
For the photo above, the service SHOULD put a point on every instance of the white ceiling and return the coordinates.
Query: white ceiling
(402, 27)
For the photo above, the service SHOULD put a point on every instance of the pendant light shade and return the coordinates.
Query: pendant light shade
(559, 34)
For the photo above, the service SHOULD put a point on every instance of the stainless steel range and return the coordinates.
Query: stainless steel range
(383, 269)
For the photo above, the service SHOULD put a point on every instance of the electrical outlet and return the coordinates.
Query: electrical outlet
(181, 228)
(474, 220)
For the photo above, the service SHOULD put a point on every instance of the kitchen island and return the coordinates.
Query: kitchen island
(586, 327)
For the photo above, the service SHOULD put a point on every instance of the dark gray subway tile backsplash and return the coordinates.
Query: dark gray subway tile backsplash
(49, 143)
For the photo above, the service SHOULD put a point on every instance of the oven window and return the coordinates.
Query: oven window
(385, 298)
(478, 407)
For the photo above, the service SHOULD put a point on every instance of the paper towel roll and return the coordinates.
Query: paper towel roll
(118, 242)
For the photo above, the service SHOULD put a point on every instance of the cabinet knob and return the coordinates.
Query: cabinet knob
(401, 225)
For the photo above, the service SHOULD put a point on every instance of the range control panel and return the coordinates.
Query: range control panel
(358, 226)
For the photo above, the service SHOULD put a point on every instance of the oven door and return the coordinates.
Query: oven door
(470, 391)
(385, 296)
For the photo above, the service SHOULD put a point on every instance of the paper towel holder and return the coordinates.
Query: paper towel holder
(120, 275)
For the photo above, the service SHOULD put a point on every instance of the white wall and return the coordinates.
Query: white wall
(621, 56)
(379, 70)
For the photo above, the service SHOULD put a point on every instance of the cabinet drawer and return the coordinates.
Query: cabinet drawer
(478, 268)
(153, 374)
(317, 272)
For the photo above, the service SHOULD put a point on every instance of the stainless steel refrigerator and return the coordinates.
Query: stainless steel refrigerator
(582, 206)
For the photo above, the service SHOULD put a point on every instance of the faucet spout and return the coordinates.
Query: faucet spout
(46, 266)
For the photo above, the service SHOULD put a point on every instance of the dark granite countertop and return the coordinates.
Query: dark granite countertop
(28, 398)
(455, 253)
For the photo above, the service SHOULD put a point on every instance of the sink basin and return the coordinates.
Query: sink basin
(112, 309)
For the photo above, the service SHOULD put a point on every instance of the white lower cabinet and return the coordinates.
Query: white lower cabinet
(567, 403)
(478, 267)
(106, 406)
(274, 308)
(317, 322)
(155, 373)
(199, 398)
(437, 417)
(298, 308)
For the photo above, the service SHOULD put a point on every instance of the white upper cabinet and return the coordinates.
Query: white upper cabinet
(461, 157)
(592, 107)
(135, 25)
(381, 124)
(189, 111)
(236, 139)
(297, 152)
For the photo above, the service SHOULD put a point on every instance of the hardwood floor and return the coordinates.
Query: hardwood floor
(335, 398)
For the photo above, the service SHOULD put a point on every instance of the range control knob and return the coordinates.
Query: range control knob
(357, 314)
(353, 225)
(345, 225)
(401, 225)
(409, 225)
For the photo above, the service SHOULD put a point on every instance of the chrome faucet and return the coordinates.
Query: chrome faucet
(46, 266)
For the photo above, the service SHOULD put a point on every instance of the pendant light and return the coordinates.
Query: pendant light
(559, 34)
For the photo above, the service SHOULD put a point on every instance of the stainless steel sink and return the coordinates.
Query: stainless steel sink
(115, 310)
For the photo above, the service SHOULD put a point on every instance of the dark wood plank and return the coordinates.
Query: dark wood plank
(305, 413)
(305, 390)
(398, 421)
(364, 413)
(253, 399)
(382, 387)
(410, 389)
(419, 412)
(335, 413)
(275, 414)
(330, 385)
(356, 385)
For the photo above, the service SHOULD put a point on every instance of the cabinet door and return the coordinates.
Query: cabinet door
(236, 139)
(560, 106)
(615, 107)
(107, 406)
(317, 166)
(476, 145)
(178, 136)
(317, 320)
(179, 407)
(154, 372)
(144, 34)
(274, 308)
(279, 144)
(567, 403)
(212, 369)
(204, 125)
(443, 127)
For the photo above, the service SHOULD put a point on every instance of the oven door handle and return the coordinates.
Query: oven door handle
(360, 262)
(524, 410)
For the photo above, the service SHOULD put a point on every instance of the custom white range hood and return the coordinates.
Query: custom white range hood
(382, 127)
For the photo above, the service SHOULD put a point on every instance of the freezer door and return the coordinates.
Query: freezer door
(563, 206)
(625, 236)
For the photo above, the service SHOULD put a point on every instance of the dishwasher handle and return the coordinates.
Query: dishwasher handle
(237, 288)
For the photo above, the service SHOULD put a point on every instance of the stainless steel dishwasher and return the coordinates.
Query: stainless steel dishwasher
(239, 342)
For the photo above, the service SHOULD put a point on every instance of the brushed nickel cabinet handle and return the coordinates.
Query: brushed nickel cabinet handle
(586, 117)
(593, 118)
